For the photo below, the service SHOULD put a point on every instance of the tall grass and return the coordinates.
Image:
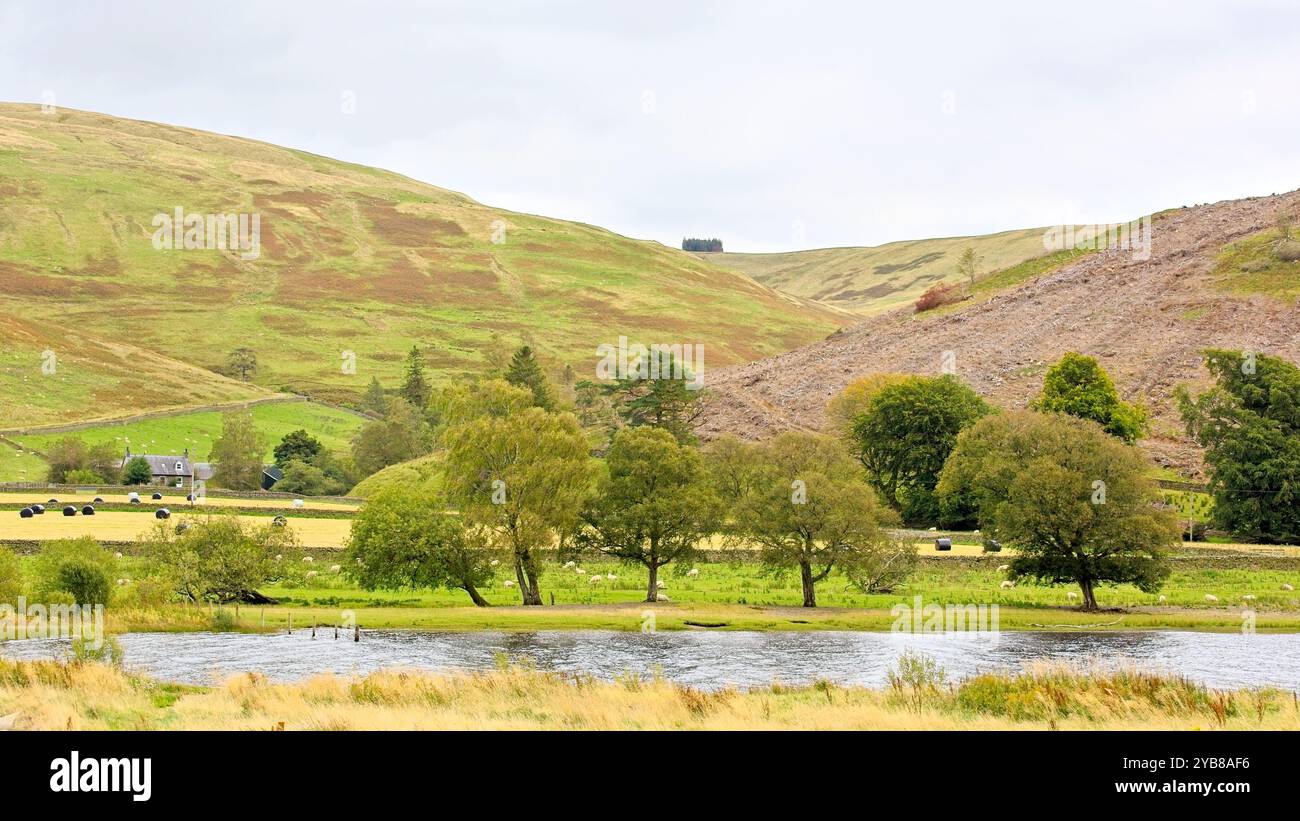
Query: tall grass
(82, 695)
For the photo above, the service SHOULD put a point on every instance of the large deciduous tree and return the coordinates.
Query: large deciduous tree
(1077, 504)
(905, 434)
(237, 453)
(402, 539)
(654, 504)
(808, 509)
(1077, 385)
(1249, 425)
(523, 477)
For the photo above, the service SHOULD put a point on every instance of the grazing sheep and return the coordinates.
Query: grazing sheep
(659, 585)
(117, 555)
(311, 574)
(1162, 599)
(1210, 597)
(121, 582)
(494, 563)
(568, 565)
(596, 579)
(1287, 587)
(308, 559)
(661, 597)
(334, 568)
(508, 583)
(611, 577)
(1007, 585)
(1072, 595)
(279, 557)
(693, 572)
(1247, 598)
(1002, 568)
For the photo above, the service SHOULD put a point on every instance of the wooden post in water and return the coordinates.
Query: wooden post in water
(313, 629)
(263, 616)
(356, 632)
(290, 622)
(336, 632)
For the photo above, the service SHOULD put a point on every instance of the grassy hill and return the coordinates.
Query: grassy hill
(351, 259)
(874, 279)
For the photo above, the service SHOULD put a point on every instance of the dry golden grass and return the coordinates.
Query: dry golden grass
(52, 695)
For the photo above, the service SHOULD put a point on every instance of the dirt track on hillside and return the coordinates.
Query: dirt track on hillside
(1132, 315)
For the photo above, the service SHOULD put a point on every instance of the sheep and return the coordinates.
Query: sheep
(508, 583)
(494, 563)
(311, 574)
(1210, 597)
(308, 559)
(1247, 598)
(596, 579)
(1071, 595)
(661, 597)
(568, 565)
(334, 568)
(1007, 585)
(1162, 599)
(693, 572)
(611, 577)
(1287, 587)
(1002, 568)
(659, 585)
(117, 555)
(279, 557)
(579, 571)
(121, 582)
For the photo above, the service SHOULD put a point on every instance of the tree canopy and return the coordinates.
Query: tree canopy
(1077, 385)
(525, 372)
(653, 505)
(905, 434)
(1249, 425)
(1077, 504)
(237, 453)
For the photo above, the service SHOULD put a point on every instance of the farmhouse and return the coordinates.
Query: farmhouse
(171, 470)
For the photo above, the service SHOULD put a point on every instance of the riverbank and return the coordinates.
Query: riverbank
(683, 616)
(84, 696)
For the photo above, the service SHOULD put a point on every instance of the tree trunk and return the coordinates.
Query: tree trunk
(1089, 598)
(474, 596)
(527, 583)
(534, 589)
(652, 587)
(809, 591)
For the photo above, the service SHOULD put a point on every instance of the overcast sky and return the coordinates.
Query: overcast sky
(773, 125)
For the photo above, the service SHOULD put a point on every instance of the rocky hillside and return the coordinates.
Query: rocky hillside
(1145, 320)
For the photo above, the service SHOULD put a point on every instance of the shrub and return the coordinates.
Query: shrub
(1288, 250)
(85, 581)
(50, 583)
(938, 295)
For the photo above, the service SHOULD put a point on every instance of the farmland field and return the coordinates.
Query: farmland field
(195, 431)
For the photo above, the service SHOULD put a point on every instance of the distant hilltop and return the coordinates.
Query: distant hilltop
(711, 246)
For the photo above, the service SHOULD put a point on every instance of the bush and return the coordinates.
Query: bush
(49, 582)
(1288, 251)
(84, 651)
(11, 577)
(940, 294)
(85, 581)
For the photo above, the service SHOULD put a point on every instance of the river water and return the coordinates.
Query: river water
(699, 658)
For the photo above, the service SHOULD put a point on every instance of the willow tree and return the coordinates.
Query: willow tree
(523, 477)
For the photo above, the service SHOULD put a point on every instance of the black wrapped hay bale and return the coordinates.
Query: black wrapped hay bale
(162, 513)
(69, 510)
(157, 496)
(99, 500)
(38, 509)
(88, 510)
(26, 513)
(992, 546)
(943, 544)
(279, 521)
